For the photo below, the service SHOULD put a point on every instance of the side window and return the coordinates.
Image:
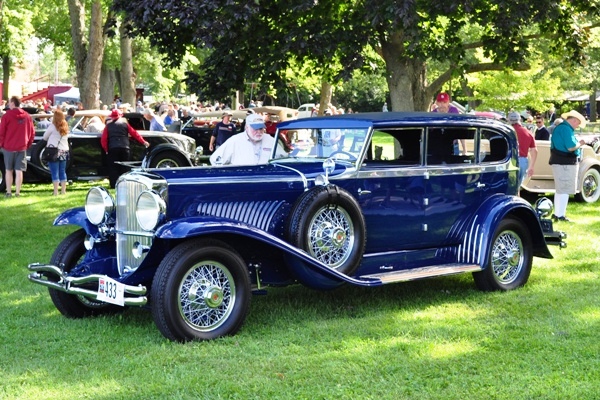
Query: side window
(451, 146)
(493, 147)
(399, 147)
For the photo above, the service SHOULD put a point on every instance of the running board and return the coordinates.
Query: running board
(423, 272)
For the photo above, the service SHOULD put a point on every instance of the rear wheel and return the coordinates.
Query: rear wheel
(509, 260)
(37, 156)
(69, 253)
(589, 189)
(168, 159)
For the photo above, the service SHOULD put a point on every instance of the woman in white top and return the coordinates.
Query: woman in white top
(56, 136)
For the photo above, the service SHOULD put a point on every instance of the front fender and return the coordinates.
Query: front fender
(156, 150)
(478, 232)
(76, 216)
(200, 226)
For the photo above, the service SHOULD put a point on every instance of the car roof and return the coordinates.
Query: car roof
(388, 119)
(239, 114)
(284, 113)
(44, 115)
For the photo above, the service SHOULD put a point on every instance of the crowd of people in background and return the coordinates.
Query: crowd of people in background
(169, 116)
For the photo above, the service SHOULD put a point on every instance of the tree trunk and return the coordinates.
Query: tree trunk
(593, 112)
(5, 77)
(406, 77)
(127, 74)
(472, 104)
(326, 92)
(87, 51)
(107, 85)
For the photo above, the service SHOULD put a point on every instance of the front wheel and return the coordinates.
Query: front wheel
(589, 189)
(509, 260)
(201, 291)
(69, 253)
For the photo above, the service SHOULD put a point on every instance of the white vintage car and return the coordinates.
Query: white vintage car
(588, 185)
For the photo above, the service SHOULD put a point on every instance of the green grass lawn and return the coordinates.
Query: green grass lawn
(431, 339)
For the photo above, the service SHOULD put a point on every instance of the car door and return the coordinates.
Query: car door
(391, 190)
(454, 179)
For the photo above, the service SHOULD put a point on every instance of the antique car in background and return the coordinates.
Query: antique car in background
(88, 161)
(363, 199)
(201, 125)
(588, 184)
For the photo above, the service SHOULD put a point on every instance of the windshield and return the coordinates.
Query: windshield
(342, 144)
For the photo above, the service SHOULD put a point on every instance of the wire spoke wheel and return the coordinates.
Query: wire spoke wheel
(331, 235)
(207, 295)
(507, 257)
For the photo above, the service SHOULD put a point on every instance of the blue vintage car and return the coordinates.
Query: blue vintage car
(364, 199)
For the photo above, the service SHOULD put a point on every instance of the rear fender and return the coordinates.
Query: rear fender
(478, 233)
(161, 148)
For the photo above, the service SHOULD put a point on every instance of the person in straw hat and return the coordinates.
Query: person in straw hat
(564, 158)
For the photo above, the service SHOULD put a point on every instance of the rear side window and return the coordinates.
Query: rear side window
(451, 146)
(493, 147)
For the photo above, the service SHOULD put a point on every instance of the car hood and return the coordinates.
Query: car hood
(190, 189)
(274, 171)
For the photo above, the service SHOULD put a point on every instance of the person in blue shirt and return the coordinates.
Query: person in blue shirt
(564, 158)
(155, 123)
(223, 131)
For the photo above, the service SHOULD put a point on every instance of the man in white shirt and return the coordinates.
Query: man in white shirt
(250, 147)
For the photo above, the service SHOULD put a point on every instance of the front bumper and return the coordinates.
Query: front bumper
(53, 277)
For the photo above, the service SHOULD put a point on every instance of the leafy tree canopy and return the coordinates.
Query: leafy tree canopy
(256, 39)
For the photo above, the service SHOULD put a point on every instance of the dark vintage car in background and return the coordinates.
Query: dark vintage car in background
(202, 125)
(361, 199)
(87, 158)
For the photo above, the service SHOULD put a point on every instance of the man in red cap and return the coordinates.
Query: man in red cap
(115, 142)
(443, 105)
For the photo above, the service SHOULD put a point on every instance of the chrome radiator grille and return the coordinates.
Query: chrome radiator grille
(128, 230)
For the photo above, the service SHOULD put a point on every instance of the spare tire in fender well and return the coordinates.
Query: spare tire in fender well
(327, 222)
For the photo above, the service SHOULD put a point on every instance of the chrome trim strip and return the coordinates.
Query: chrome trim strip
(227, 181)
(302, 176)
(421, 170)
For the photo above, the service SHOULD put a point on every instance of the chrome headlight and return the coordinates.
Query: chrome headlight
(149, 210)
(543, 207)
(99, 205)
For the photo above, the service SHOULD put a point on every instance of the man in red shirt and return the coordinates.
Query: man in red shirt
(526, 146)
(115, 142)
(16, 136)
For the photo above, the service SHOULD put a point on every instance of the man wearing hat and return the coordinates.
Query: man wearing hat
(442, 103)
(564, 158)
(250, 147)
(115, 142)
(223, 131)
(527, 146)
